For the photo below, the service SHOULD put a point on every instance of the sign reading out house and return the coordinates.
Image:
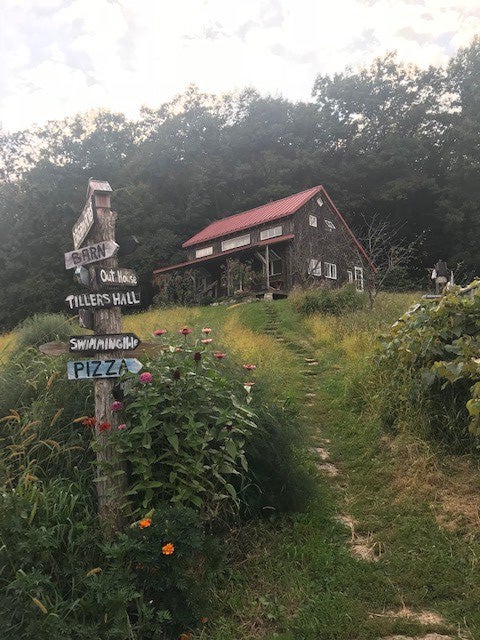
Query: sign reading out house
(83, 225)
(95, 369)
(99, 300)
(91, 253)
(106, 342)
(116, 277)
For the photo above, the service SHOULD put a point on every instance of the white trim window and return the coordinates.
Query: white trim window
(312, 220)
(314, 267)
(270, 233)
(205, 251)
(330, 270)
(350, 276)
(359, 278)
(233, 243)
(320, 201)
(329, 224)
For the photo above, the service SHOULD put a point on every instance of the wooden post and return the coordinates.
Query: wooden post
(267, 265)
(111, 489)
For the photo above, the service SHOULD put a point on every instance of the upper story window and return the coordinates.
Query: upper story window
(312, 220)
(330, 270)
(314, 267)
(329, 224)
(201, 253)
(319, 201)
(270, 233)
(233, 243)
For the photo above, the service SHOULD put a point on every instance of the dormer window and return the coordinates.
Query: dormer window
(319, 201)
(233, 243)
(329, 224)
(312, 221)
(201, 253)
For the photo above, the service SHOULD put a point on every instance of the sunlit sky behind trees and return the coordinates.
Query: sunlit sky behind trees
(61, 57)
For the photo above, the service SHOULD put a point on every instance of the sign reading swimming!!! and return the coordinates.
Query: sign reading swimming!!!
(104, 342)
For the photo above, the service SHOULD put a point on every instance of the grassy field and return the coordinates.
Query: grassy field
(390, 543)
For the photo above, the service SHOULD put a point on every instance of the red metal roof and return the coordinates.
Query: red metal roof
(195, 261)
(253, 217)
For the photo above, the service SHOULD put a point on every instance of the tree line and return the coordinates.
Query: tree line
(391, 141)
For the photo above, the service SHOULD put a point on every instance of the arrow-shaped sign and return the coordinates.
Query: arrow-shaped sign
(83, 225)
(95, 369)
(104, 342)
(91, 253)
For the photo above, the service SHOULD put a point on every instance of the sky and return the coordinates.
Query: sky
(61, 57)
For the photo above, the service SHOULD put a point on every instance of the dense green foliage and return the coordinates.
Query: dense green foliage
(41, 328)
(391, 140)
(429, 364)
(326, 300)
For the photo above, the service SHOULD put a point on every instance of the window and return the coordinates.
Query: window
(319, 201)
(312, 220)
(270, 233)
(329, 224)
(359, 278)
(206, 251)
(314, 267)
(330, 270)
(233, 243)
(350, 276)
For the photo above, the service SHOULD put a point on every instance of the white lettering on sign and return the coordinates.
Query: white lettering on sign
(104, 300)
(106, 342)
(92, 253)
(94, 369)
(116, 276)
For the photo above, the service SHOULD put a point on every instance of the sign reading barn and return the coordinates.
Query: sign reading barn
(92, 253)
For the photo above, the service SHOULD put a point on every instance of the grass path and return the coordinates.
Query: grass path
(369, 559)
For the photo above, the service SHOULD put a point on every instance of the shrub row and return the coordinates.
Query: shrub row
(322, 299)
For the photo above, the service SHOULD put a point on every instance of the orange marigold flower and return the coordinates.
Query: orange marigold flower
(168, 549)
(89, 422)
(144, 523)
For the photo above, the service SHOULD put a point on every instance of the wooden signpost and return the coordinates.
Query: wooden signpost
(107, 342)
(100, 311)
(93, 253)
(94, 369)
(103, 300)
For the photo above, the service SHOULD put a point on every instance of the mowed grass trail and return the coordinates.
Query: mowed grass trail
(370, 558)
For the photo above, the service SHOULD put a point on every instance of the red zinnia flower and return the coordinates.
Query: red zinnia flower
(219, 355)
(184, 331)
(249, 367)
(159, 332)
(104, 426)
(145, 377)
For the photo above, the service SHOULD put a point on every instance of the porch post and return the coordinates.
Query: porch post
(267, 265)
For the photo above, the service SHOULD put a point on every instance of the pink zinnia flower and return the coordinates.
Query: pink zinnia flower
(145, 377)
(104, 426)
(184, 331)
(249, 367)
(206, 330)
(122, 426)
(116, 405)
(206, 341)
(219, 355)
(159, 332)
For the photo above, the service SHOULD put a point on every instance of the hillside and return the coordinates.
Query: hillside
(389, 546)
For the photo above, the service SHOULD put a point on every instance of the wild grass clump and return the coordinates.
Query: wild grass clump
(325, 300)
(428, 365)
(41, 328)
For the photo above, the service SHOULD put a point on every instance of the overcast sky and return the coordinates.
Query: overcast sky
(59, 57)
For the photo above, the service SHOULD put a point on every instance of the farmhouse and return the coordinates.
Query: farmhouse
(299, 239)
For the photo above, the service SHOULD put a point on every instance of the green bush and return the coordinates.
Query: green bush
(58, 580)
(41, 328)
(428, 369)
(329, 301)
